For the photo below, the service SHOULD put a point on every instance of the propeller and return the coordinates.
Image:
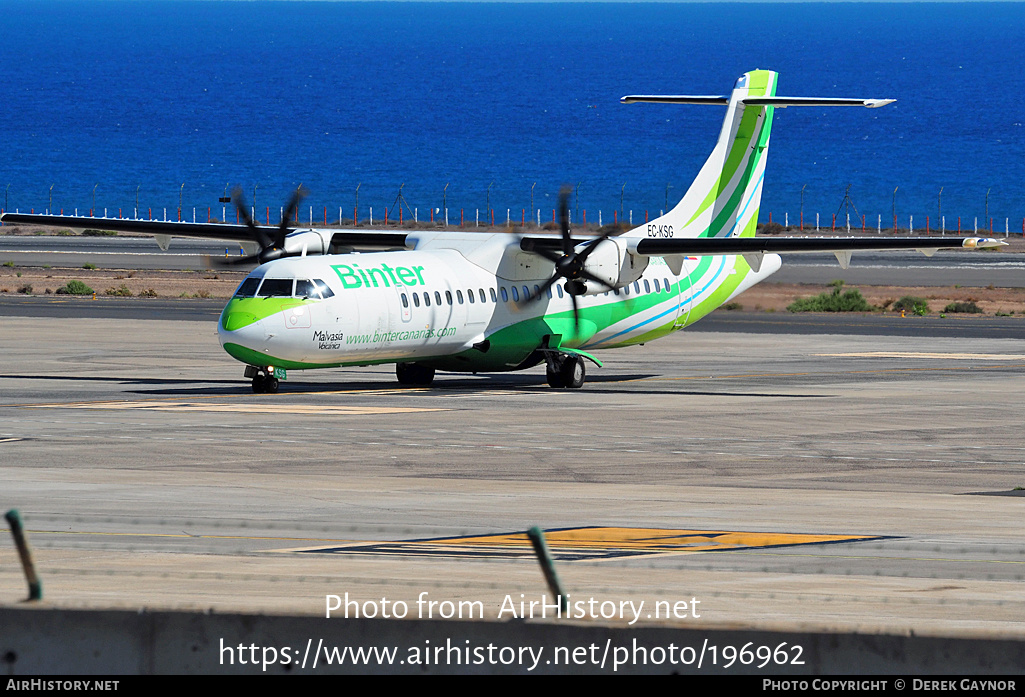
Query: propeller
(571, 264)
(271, 246)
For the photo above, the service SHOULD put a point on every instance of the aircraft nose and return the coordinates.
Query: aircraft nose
(235, 319)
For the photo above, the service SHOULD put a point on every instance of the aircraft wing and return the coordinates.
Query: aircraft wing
(164, 230)
(215, 231)
(698, 246)
(753, 248)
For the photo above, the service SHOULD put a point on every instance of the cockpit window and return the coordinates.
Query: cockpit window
(248, 287)
(276, 287)
(305, 289)
(325, 292)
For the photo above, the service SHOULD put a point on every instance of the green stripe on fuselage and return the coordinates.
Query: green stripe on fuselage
(241, 312)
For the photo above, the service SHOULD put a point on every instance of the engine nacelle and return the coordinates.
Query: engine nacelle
(611, 262)
(313, 240)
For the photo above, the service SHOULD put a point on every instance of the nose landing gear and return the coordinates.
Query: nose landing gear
(263, 381)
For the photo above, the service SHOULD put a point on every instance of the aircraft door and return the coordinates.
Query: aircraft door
(684, 294)
(403, 298)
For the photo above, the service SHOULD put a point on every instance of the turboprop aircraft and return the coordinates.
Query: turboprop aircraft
(488, 302)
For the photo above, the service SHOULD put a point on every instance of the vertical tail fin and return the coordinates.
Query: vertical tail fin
(724, 198)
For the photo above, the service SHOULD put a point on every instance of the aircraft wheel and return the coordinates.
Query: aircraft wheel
(554, 378)
(413, 374)
(270, 386)
(572, 372)
(259, 384)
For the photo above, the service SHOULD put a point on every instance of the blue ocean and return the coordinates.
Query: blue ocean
(474, 106)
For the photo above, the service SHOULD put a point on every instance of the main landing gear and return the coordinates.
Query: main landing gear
(263, 382)
(414, 374)
(564, 370)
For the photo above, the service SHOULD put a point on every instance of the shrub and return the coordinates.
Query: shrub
(771, 229)
(148, 293)
(89, 266)
(74, 288)
(968, 306)
(9, 264)
(64, 233)
(911, 303)
(98, 233)
(729, 307)
(122, 291)
(834, 301)
(25, 289)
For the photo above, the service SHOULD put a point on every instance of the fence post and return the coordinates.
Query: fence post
(544, 558)
(35, 586)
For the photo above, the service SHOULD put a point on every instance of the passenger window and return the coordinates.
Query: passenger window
(505, 294)
(416, 300)
(637, 287)
(448, 297)
(559, 288)
(647, 286)
(626, 289)
(427, 299)
(276, 288)
(494, 298)
(483, 298)
(248, 288)
(549, 292)
(405, 301)
(469, 295)
(666, 281)
(459, 296)
(437, 298)
(516, 294)
(526, 293)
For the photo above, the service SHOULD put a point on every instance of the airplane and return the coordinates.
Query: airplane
(490, 302)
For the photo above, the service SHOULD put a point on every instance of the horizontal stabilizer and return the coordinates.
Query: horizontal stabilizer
(782, 102)
(674, 99)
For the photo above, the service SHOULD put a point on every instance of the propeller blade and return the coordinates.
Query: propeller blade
(293, 203)
(567, 242)
(239, 199)
(591, 277)
(533, 297)
(582, 255)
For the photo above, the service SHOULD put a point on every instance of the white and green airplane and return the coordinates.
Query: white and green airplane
(488, 302)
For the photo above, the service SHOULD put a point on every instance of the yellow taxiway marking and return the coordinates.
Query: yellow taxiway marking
(913, 354)
(245, 407)
(579, 544)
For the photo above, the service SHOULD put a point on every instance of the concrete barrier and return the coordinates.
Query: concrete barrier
(39, 641)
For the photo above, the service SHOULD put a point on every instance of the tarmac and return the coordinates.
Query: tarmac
(815, 477)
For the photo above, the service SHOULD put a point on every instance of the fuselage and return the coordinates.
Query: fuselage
(457, 307)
